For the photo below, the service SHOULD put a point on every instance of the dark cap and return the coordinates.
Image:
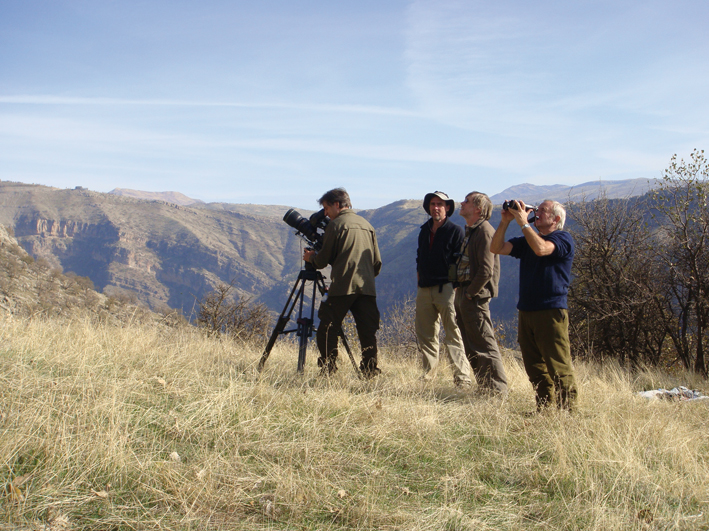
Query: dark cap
(450, 204)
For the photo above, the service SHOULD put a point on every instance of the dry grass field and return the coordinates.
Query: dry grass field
(148, 427)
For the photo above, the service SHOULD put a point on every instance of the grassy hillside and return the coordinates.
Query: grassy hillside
(150, 427)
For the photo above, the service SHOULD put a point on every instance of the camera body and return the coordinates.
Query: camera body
(308, 229)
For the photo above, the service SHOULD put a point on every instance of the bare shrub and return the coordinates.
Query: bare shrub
(682, 209)
(612, 313)
(43, 263)
(222, 312)
(13, 267)
(506, 333)
(640, 294)
(120, 295)
(81, 283)
(170, 316)
(398, 330)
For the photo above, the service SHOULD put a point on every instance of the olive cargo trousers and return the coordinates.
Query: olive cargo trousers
(546, 351)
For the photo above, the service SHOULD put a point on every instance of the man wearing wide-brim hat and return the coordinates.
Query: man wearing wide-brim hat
(439, 241)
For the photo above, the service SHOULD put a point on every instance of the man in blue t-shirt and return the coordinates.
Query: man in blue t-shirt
(545, 274)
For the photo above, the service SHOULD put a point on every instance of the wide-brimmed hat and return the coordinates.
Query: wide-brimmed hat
(450, 204)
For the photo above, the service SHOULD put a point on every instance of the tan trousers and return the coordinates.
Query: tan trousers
(434, 306)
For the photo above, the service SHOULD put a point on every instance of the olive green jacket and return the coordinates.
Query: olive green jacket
(350, 247)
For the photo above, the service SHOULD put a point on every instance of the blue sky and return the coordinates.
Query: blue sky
(275, 102)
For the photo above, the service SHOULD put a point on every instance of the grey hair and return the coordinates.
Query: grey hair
(559, 210)
(481, 201)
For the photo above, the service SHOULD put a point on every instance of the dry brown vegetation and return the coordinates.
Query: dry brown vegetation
(640, 292)
(106, 426)
(113, 417)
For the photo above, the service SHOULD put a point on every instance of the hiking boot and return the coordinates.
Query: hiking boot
(368, 368)
(327, 368)
(371, 373)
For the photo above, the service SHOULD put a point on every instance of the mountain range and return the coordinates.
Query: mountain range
(534, 194)
(165, 249)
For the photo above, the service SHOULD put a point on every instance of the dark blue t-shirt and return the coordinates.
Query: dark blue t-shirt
(544, 280)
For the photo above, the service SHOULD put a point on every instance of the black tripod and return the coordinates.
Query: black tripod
(304, 325)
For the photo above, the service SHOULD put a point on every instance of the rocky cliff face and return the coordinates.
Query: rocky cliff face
(53, 228)
(30, 287)
(164, 253)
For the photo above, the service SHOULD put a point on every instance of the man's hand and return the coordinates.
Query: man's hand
(521, 214)
(507, 215)
(498, 245)
(308, 255)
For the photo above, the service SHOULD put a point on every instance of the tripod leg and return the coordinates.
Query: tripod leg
(280, 326)
(347, 348)
(281, 323)
(303, 330)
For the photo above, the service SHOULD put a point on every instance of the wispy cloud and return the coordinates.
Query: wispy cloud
(515, 69)
(89, 137)
(101, 101)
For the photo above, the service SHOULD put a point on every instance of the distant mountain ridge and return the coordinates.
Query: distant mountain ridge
(530, 193)
(533, 193)
(164, 253)
(169, 197)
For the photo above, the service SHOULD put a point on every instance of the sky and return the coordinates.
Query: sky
(276, 102)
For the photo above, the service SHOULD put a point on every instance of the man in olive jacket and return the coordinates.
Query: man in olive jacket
(350, 247)
(478, 279)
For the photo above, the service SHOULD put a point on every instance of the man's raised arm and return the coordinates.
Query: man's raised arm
(498, 245)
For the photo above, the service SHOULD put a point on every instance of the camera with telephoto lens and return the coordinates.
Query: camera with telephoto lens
(309, 228)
